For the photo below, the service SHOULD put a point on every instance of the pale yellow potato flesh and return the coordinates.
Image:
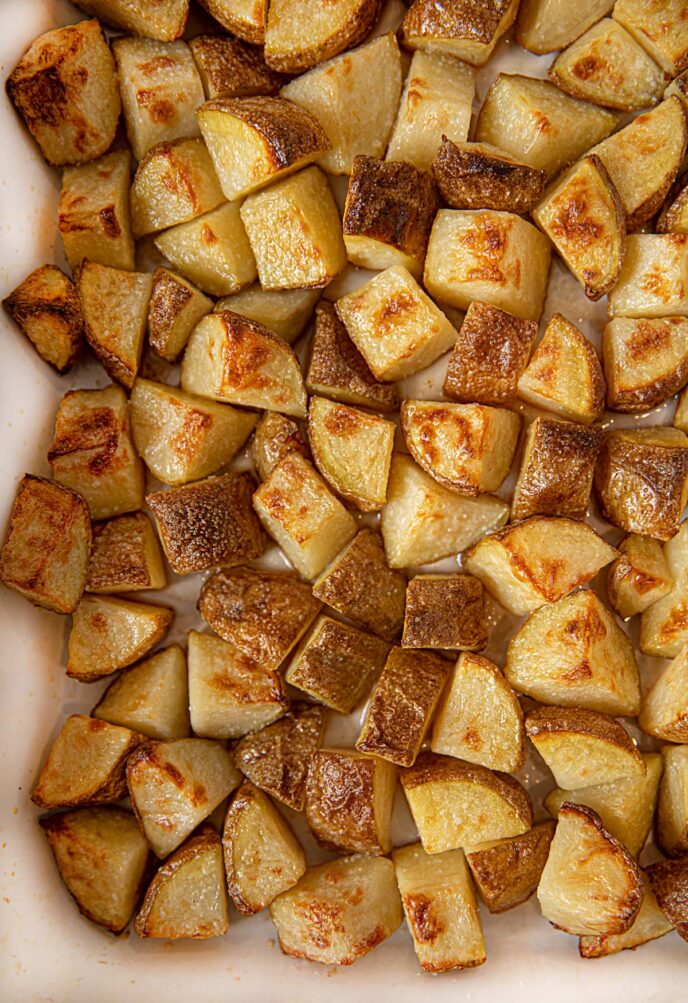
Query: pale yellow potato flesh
(664, 625)
(671, 829)
(151, 698)
(550, 25)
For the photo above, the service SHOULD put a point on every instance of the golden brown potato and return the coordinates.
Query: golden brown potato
(285, 312)
(151, 697)
(507, 871)
(679, 87)
(229, 68)
(125, 556)
(681, 413)
(275, 436)
(244, 18)
(108, 634)
(645, 361)
(548, 25)
(481, 176)
(674, 215)
(638, 577)
(664, 711)
(331, 30)
(465, 29)
(47, 309)
(654, 278)
(445, 611)
(165, 21)
(93, 212)
(660, 29)
(671, 821)
(664, 625)
(668, 882)
(649, 924)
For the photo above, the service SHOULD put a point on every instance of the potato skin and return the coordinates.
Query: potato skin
(508, 873)
(230, 68)
(669, 881)
(47, 308)
(445, 611)
(472, 177)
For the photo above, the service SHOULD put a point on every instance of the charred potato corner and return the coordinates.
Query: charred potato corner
(379, 394)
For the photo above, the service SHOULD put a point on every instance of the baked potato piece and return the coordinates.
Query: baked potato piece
(548, 25)
(679, 87)
(151, 698)
(457, 804)
(244, 18)
(441, 910)
(65, 89)
(229, 68)
(101, 855)
(582, 215)
(649, 924)
(108, 634)
(654, 278)
(668, 880)
(165, 21)
(93, 214)
(638, 577)
(481, 176)
(233, 604)
(338, 94)
(671, 820)
(445, 611)
(591, 885)
(423, 521)
(681, 412)
(479, 718)
(47, 545)
(496, 257)
(564, 374)
(508, 871)
(275, 436)
(574, 654)
(336, 664)
(463, 28)
(92, 451)
(331, 30)
(664, 625)
(285, 312)
(46, 308)
(538, 124)
(674, 215)
(660, 29)
(436, 102)
(339, 911)
(125, 556)
(467, 448)
(664, 710)
(645, 361)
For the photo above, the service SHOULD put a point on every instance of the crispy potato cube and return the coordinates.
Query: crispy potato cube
(275, 436)
(538, 561)
(125, 556)
(295, 232)
(160, 89)
(445, 611)
(638, 577)
(230, 68)
(338, 93)
(496, 257)
(276, 758)
(233, 603)
(649, 924)
(536, 123)
(263, 858)
(423, 521)
(456, 804)
(175, 785)
(507, 871)
(660, 28)
(557, 469)
(548, 25)
(65, 89)
(467, 448)
(664, 625)
(93, 212)
(564, 374)
(151, 697)
(674, 215)
(101, 855)
(583, 747)
(108, 634)
(174, 182)
(654, 278)
(465, 29)
(664, 711)
(402, 704)
(165, 21)
(671, 823)
(244, 18)
(47, 309)
(481, 176)
(436, 102)
(591, 885)
(574, 654)
(47, 545)
(302, 515)
(668, 880)
(479, 718)
(175, 307)
(283, 311)
(340, 26)
(352, 450)
(582, 215)
(645, 361)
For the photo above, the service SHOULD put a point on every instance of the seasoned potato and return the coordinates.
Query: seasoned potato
(664, 711)
(548, 25)
(151, 697)
(244, 18)
(557, 469)
(660, 28)
(679, 87)
(445, 611)
(101, 855)
(336, 664)
(645, 361)
(93, 212)
(65, 89)
(47, 309)
(496, 257)
(582, 215)
(638, 577)
(668, 882)
(441, 910)
(331, 30)
(507, 871)
(125, 556)
(165, 21)
(174, 182)
(339, 911)
(108, 634)
(456, 804)
(465, 29)
(674, 215)
(285, 312)
(654, 278)
(402, 704)
(564, 374)
(649, 924)
(480, 176)
(230, 68)
(681, 413)
(591, 885)
(664, 625)
(275, 436)
(479, 718)
(175, 307)
(47, 545)
(671, 823)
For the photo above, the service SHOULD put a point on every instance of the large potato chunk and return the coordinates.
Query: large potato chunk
(283, 311)
(151, 697)
(125, 556)
(654, 278)
(445, 611)
(590, 885)
(441, 910)
(548, 25)
(47, 309)
(244, 18)
(574, 654)
(557, 470)
(660, 28)
(46, 550)
(331, 30)
(175, 307)
(463, 28)
(93, 212)
(101, 855)
(645, 361)
(480, 176)
(65, 89)
(108, 634)
(275, 436)
(495, 257)
(649, 924)
(668, 880)
(638, 577)
(230, 68)
(664, 712)
(664, 626)
(671, 828)
(507, 871)
(164, 20)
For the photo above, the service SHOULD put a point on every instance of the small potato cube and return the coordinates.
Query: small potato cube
(456, 804)
(564, 374)
(295, 232)
(230, 68)
(285, 312)
(668, 880)
(441, 911)
(538, 561)
(645, 361)
(654, 278)
(574, 654)
(549, 25)
(125, 556)
(160, 89)
(47, 308)
(108, 634)
(175, 182)
(402, 705)
(340, 910)
(93, 212)
(175, 307)
(479, 718)
(445, 611)
(671, 827)
(508, 871)
(467, 30)
(262, 856)
(275, 436)
(649, 924)
(664, 711)
(436, 102)
(303, 516)
(481, 176)
(638, 577)
(47, 545)
(150, 18)
(244, 18)
(496, 257)
(395, 325)
(65, 89)
(349, 800)
(340, 26)
(336, 664)
(664, 625)
(151, 697)
(674, 216)
(660, 28)
(557, 469)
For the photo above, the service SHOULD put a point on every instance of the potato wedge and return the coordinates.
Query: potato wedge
(244, 18)
(674, 215)
(108, 634)
(467, 30)
(547, 25)
(445, 611)
(671, 821)
(165, 21)
(93, 214)
(638, 577)
(508, 871)
(654, 278)
(340, 26)
(481, 176)
(174, 182)
(649, 924)
(47, 309)
(285, 312)
(664, 711)
(645, 361)
(275, 436)
(660, 30)
(668, 880)
(229, 68)
(664, 625)
(679, 87)
(681, 412)
(151, 698)
(125, 556)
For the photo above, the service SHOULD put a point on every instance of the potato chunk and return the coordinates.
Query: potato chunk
(661, 29)
(275, 436)
(649, 924)
(547, 25)
(671, 826)
(165, 21)
(93, 212)
(175, 182)
(47, 545)
(108, 634)
(668, 880)
(654, 278)
(467, 30)
(674, 215)
(664, 712)
(230, 68)
(479, 718)
(244, 18)
(508, 871)
(331, 30)
(638, 577)
(445, 611)
(664, 625)
(125, 556)
(441, 910)
(65, 89)
(557, 470)
(151, 697)
(645, 361)
(47, 309)
(481, 176)
(285, 312)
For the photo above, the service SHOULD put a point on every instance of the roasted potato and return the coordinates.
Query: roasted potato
(638, 577)
(668, 880)
(679, 87)
(664, 711)
(285, 312)
(660, 29)
(645, 361)
(108, 634)
(548, 25)
(151, 698)
(125, 556)
(445, 611)
(165, 21)
(340, 26)
(93, 214)
(47, 309)
(649, 924)
(664, 625)
(674, 215)
(654, 278)
(508, 871)
(229, 68)
(671, 821)
(481, 176)
(465, 29)
(275, 436)
(244, 18)
(681, 412)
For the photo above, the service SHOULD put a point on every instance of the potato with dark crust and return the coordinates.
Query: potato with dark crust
(669, 882)
(47, 309)
(151, 698)
(125, 556)
(445, 611)
(331, 30)
(664, 624)
(275, 436)
(481, 176)
(638, 577)
(108, 634)
(175, 307)
(93, 214)
(645, 361)
(671, 819)
(462, 28)
(507, 872)
(244, 18)
(229, 68)
(674, 215)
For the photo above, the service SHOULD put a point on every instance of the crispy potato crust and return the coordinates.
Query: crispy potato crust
(445, 611)
(508, 872)
(669, 882)
(47, 308)
(480, 176)
(230, 68)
